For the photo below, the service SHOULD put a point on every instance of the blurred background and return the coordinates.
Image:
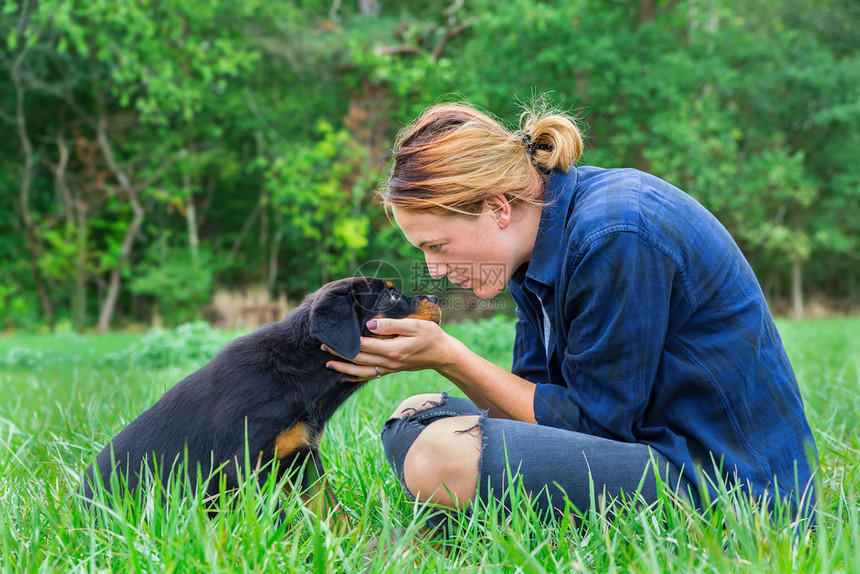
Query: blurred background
(162, 162)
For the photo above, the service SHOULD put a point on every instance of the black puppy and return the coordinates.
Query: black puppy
(271, 385)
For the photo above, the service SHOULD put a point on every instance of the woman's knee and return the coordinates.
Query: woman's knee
(442, 464)
(416, 403)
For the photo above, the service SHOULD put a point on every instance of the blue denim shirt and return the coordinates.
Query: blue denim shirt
(641, 321)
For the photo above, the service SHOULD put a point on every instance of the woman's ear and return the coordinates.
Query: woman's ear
(500, 208)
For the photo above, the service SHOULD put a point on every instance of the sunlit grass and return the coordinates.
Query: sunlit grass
(61, 402)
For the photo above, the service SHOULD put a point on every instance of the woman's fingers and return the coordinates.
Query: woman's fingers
(365, 357)
(395, 326)
(332, 351)
(355, 373)
(376, 351)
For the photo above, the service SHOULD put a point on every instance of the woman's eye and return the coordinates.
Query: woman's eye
(435, 248)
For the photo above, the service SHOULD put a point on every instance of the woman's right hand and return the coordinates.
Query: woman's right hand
(420, 344)
(411, 345)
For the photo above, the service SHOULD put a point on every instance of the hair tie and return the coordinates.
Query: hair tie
(531, 146)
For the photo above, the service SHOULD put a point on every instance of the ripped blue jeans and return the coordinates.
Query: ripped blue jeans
(551, 463)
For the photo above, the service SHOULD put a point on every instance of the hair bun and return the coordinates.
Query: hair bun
(557, 141)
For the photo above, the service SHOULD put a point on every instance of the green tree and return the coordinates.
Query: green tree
(158, 151)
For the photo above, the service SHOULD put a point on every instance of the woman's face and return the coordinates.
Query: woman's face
(478, 252)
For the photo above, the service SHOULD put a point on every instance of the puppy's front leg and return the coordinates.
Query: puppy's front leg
(316, 492)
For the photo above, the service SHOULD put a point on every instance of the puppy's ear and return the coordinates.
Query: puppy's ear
(334, 321)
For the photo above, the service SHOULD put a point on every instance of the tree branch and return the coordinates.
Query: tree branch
(397, 49)
(59, 170)
(58, 92)
(107, 153)
(450, 33)
(161, 169)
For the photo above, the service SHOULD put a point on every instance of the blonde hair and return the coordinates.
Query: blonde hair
(453, 157)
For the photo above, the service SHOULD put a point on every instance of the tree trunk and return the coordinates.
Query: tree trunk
(647, 11)
(368, 7)
(76, 218)
(191, 220)
(246, 227)
(265, 206)
(80, 299)
(274, 248)
(24, 192)
(797, 287)
(115, 282)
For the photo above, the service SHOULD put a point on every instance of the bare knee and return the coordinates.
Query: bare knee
(415, 404)
(442, 464)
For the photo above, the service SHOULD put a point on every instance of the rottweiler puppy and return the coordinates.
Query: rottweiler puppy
(270, 386)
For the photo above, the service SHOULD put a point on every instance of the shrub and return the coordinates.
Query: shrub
(195, 342)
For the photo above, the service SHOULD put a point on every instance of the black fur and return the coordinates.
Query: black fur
(263, 383)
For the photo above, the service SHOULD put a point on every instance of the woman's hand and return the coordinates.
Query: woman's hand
(416, 345)
(419, 344)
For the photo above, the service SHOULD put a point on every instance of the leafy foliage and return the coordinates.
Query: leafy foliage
(188, 344)
(246, 139)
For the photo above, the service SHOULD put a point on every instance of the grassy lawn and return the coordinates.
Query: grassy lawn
(63, 396)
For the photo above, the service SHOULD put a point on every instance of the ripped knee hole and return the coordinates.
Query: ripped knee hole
(476, 426)
(408, 411)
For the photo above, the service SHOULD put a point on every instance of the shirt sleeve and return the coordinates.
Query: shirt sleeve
(617, 307)
(529, 351)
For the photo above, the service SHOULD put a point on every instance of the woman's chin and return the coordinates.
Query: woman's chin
(487, 291)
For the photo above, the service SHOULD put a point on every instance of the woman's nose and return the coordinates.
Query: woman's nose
(437, 269)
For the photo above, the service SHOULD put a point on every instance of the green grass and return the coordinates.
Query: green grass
(62, 397)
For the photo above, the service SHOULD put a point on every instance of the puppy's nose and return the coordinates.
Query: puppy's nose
(431, 298)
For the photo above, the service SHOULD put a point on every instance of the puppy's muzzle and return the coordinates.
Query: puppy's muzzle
(426, 307)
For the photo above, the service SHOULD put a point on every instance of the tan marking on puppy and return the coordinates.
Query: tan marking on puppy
(427, 311)
(292, 439)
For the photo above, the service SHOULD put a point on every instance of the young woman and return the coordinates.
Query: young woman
(644, 344)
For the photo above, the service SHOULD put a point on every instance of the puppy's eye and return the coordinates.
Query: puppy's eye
(395, 296)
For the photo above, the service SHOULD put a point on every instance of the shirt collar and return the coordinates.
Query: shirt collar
(549, 243)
